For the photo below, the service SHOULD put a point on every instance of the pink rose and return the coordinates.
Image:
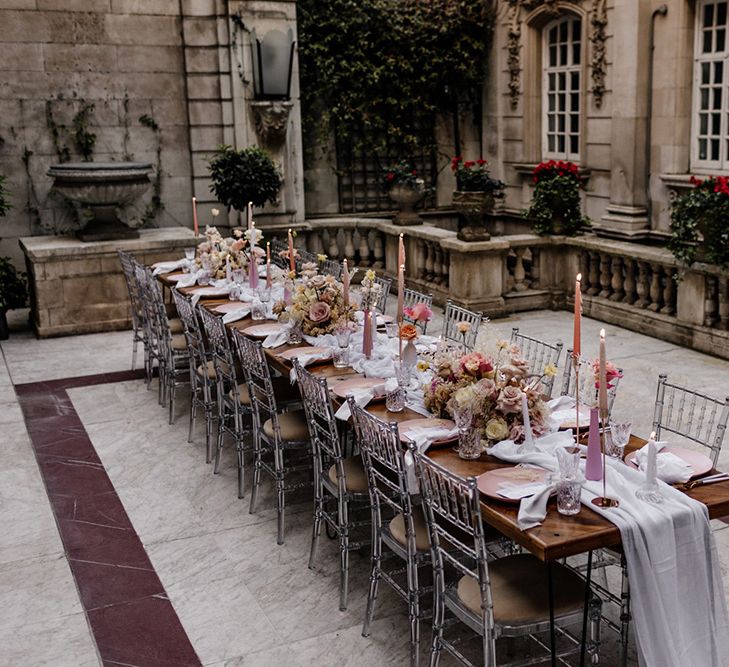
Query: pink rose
(419, 312)
(517, 432)
(509, 400)
(476, 364)
(238, 245)
(319, 311)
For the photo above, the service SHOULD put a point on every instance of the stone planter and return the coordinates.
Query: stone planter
(406, 198)
(100, 193)
(472, 207)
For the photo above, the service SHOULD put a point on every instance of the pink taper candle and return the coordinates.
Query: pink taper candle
(602, 401)
(401, 250)
(195, 226)
(250, 214)
(269, 277)
(345, 282)
(577, 338)
(292, 265)
(400, 292)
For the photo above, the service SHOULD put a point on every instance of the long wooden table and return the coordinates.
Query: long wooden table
(558, 536)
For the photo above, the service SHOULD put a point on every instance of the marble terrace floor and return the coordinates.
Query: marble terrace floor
(118, 546)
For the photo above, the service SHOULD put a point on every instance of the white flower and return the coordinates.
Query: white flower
(215, 212)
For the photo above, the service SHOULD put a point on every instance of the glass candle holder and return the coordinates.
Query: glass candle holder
(258, 310)
(569, 494)
(295, 334)
(340, 357)
(395, 400)
(469, 444)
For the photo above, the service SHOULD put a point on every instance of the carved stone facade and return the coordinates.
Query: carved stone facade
(635, 132)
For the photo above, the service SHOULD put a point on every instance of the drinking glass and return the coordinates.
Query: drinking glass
(617, 438)
(462, 416)
(296, 336)
(340, 356)
(396, 398)
(258, 310)
(189, 254)
(391, 329)
(569, 493)
(343, 337)
(469, 444)
(239, 276)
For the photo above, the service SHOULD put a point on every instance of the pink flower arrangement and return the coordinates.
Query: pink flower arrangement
(319, 311)
(611, 373)
(476, 365)
(420, 312)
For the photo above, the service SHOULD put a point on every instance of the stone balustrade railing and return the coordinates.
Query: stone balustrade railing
(627, 284)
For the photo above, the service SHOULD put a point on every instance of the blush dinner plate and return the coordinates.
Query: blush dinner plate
(490, 482)
(700, 463)
(406, 426)
(343, 389)
(263, 330)
(304, 349)
(231, 307)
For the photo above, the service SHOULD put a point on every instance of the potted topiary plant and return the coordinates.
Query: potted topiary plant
(13, 290)
(475, 196)
(556, 207)
(699, 223)
(243, 176)
(406, 189)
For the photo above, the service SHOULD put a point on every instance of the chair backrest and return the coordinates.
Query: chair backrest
(691, 414)
(257, 374)
(412, 297)
(327, 447)
(219, 346)
(453, 514)
(196, 344)
(128, 264)
(277, 247)
(586, 393)
(456, 316)
(539, 354)
(382, 301)
(384, 460)
(331, 267)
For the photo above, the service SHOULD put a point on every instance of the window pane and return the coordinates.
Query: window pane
(574, 144)
(720, 38)
(703, 123)
(702, 149)
(561, 122)
(574, 80)
(562, 54)
(561, 78)
(560, 143)
(576, 25)
(715, 123)
(718, 71)
(550, 143)
(550, 122)
(552, 104)
(552, 56)
(574, 122)
(563, 31)
(714, 149)
(574, 102)
(721, 13)
(707, 42)
(552, 80)
(704, 98)
(716, 98)
(561, 99)
(575, 54)
(708, 15)
(705, 67)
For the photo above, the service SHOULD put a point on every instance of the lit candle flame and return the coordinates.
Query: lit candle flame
(602, 334)
(579, 277)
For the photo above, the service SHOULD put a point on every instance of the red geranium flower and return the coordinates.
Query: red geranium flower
(390, 176)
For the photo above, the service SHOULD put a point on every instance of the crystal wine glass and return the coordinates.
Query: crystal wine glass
(619, 437)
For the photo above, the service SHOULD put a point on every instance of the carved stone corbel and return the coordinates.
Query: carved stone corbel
(271, 119)
(598, 65)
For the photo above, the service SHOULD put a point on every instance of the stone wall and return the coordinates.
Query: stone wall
(122, 56)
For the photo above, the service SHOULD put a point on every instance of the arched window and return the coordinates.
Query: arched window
(710, 125)
(562, 85)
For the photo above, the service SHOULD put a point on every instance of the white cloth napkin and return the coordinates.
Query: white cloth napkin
(189, 279)
(167, 267)
(562, 409)
(518, 491)
(669, 467)
(277, 338)
(678, 601)
(423, 438)
(235, 315)
(209, 291)
(362, 396)
(305, 358)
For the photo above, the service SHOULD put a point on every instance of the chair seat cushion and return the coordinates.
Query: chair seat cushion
(422, 539)
(244, 397)
(207, 369)
(354, 474)
(293, 427)
(520, 589)
(176, 325)
(178, 343)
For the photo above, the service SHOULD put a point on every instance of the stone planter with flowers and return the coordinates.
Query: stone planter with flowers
(406, 189)
(475, 197)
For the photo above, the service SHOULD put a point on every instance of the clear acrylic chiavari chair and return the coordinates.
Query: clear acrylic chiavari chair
(202, 372)
(128, 262)
(381, 304)
(539, 354)
(234, 404)
(280, 439)
(456, 316)
(502, 597)
(153, 353)
(331, 267)
(690, 414)
(412, 297)
(405, 536)
(340, 483)
(277, 247)
(586, 393)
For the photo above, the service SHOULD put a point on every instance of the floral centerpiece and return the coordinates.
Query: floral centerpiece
(556, 207)
(475, 196)
(370, 291)
(490, 383)
(317, 303)
(698, 222)
(217, 254)
(405, 187)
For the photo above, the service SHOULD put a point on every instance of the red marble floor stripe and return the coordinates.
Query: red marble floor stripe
(132, 620)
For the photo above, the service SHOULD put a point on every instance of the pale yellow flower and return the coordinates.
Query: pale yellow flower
(464, 327)
(550, 370)
(321, 257)
(502, 344)
(423, 365)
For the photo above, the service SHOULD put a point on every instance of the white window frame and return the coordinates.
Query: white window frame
(567, 154)
(700, 58)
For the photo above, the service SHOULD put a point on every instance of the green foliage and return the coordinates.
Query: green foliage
(155, 205)
(474, 176)
(702, 212)
(13, 286)
(148, 121)
(556, 199)
(380, 70)
(5, 204)
(239, 177)
(84, 140)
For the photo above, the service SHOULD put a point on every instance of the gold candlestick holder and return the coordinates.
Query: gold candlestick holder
(604, 500)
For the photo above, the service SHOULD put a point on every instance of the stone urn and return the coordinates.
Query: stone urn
(406, 198)
(473, 206)
(100, 193)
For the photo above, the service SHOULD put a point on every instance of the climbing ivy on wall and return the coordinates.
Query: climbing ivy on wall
(379, 70)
